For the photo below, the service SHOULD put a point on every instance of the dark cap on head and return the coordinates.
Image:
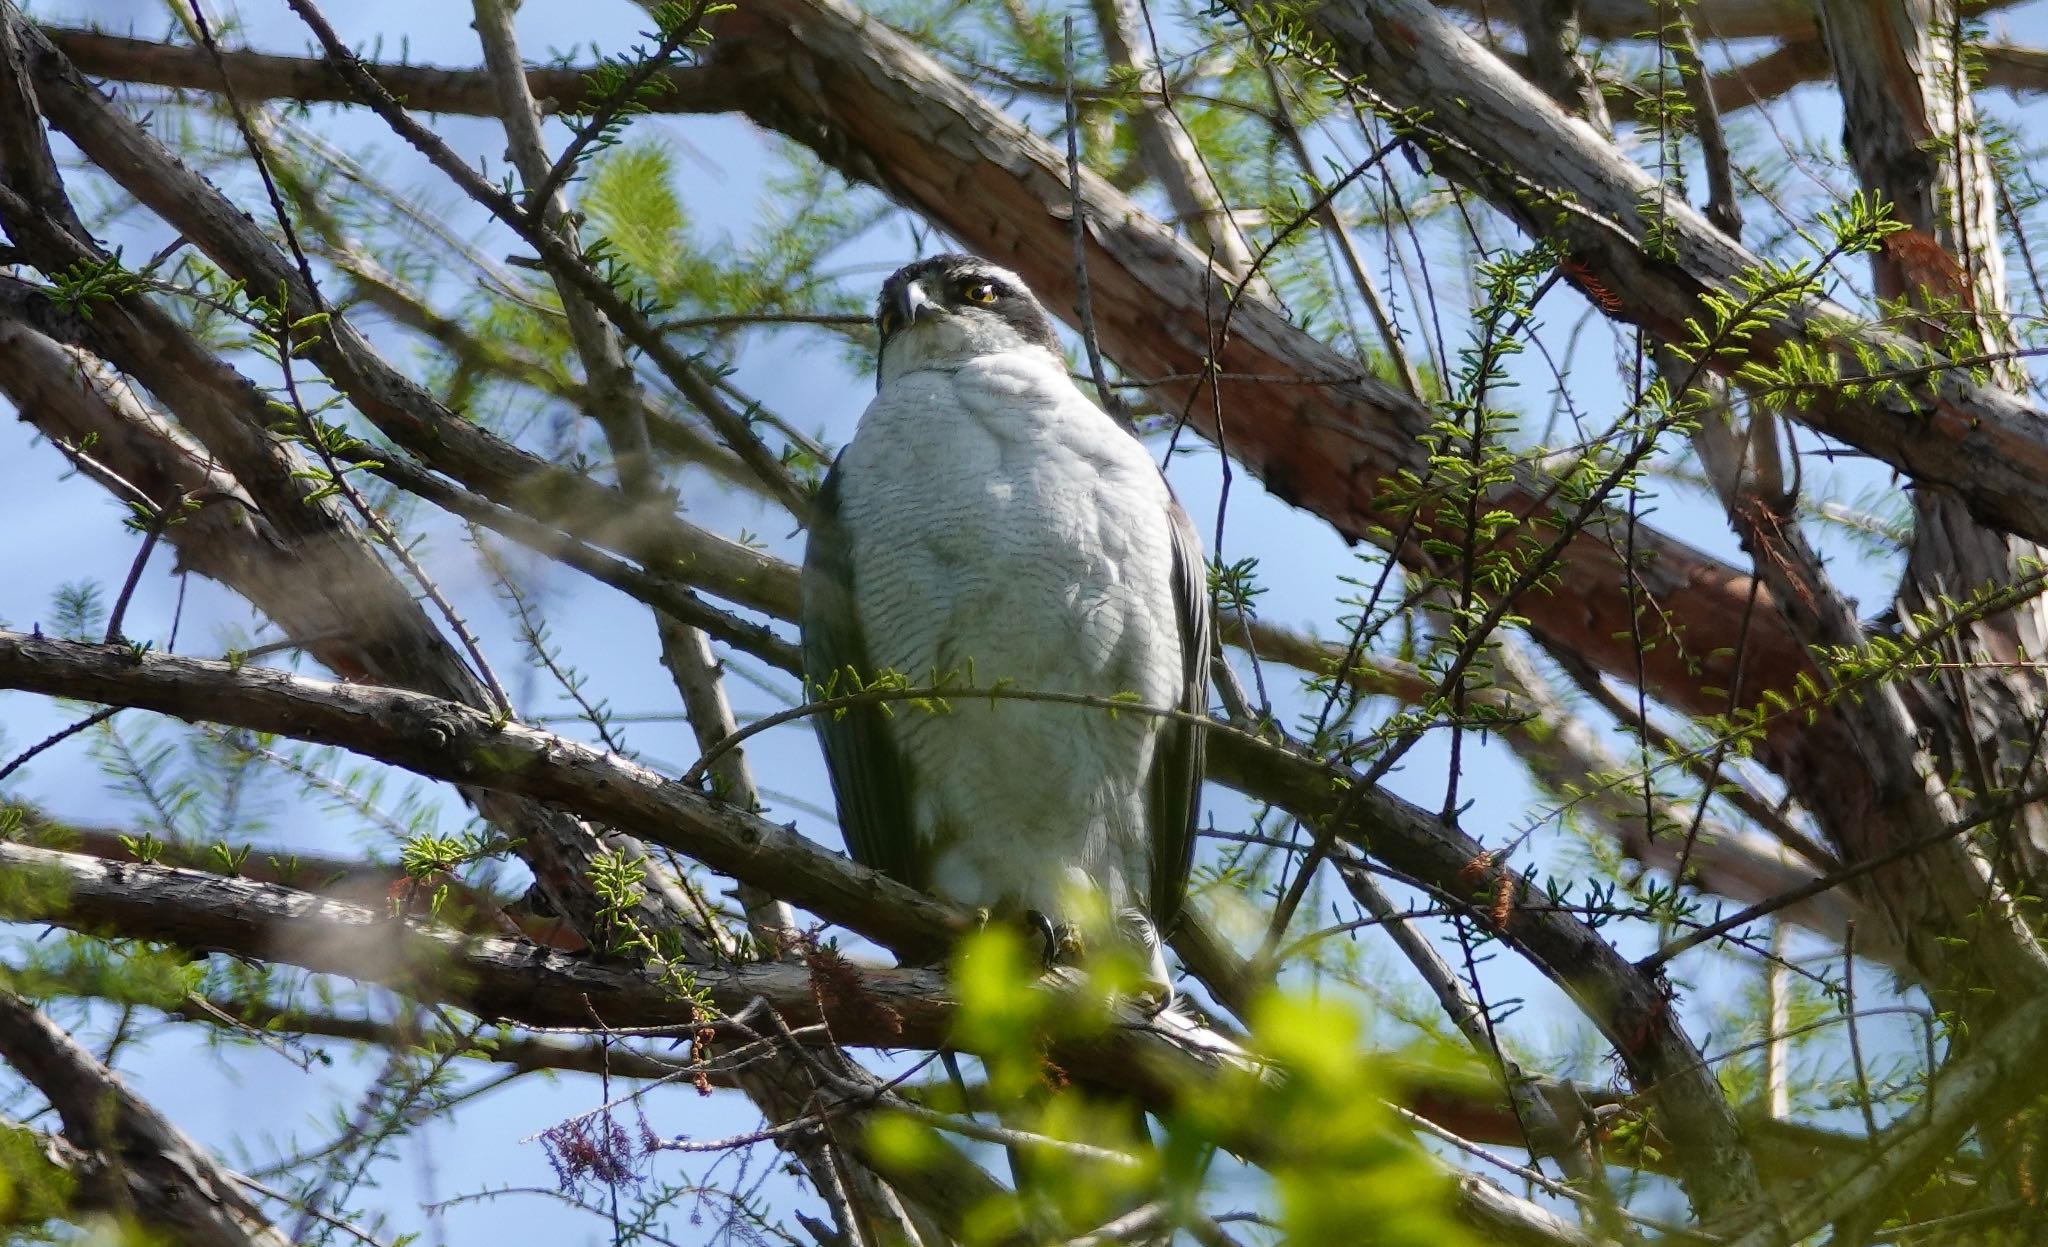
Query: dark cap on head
(962, 285)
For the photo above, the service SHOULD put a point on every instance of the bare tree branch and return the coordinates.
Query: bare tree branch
(454, 742)
(1167, 150)
(1567, 184)
(1918, 787)
(1302, 419)
(1632, 1009)
(130, 1157)
(1158, 1059)
(464, 745)
(870, 1209)
(493, 977)
(1568, 756)
(1318, 444)
(2001, 1068)
(264, 76)
(712, 88)
(393, 401)
(375, 626)
(1724, 19)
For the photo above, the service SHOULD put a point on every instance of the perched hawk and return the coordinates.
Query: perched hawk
(988, 524)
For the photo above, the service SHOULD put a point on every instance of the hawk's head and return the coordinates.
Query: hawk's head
(951, 308)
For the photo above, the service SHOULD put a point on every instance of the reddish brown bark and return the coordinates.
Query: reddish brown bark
(1297, 414)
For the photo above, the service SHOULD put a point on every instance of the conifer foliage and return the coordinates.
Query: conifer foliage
(1617, 435)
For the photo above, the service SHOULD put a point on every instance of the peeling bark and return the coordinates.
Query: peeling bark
(1911, 129)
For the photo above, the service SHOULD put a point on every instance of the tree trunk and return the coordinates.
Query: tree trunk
(1911, 130)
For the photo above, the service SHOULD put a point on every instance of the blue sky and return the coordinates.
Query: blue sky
(64, 530)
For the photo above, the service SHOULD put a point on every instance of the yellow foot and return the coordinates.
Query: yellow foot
(1071, 948)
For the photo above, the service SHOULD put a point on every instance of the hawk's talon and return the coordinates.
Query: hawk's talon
(1042, 927)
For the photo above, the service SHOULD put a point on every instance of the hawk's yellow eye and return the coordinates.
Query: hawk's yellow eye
(889, 322)
(981, 291)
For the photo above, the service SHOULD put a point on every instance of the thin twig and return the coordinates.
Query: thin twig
(58, 737)
(622, 97)
(1722, 208)
(1549, 1186)
(1533, 1114)
(288, 346)
(969, 1128)
(158, 518)
(683, 372)
(656, 589)
(830, 320)
(1139, 1225)
(1663, 956)
(1333, 221)
(1855, 1041)
(765, 1135)
(339, 1223)
(1077, 217)
(938, 693)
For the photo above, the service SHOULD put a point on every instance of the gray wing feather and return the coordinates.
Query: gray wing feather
(1174, 792)
(869, 776)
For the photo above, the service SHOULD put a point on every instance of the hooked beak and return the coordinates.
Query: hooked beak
(921, 305)
(913, 304)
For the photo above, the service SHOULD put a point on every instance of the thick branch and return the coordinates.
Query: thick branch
(784, 1089)
(403, 409)
(131, 1157)
(1632, 1009)
(2010, 66)
(344, 591)
(423, 88)
(498, 978)
(2007, 498)
(1912, 136)
(1724, 19)
(456, 743)
(467, 746)
(71, 400)
(305, 566)
(1165, 147)
(68, 397)
(1491, 130)
(1156, 1060)
(1297, 414)
(875, 105)
(1570, 758)
(711, 88)
(2001, 1072)
(515, 982)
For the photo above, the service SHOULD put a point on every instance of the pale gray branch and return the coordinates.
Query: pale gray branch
(2000, 1071)
(467, 746)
